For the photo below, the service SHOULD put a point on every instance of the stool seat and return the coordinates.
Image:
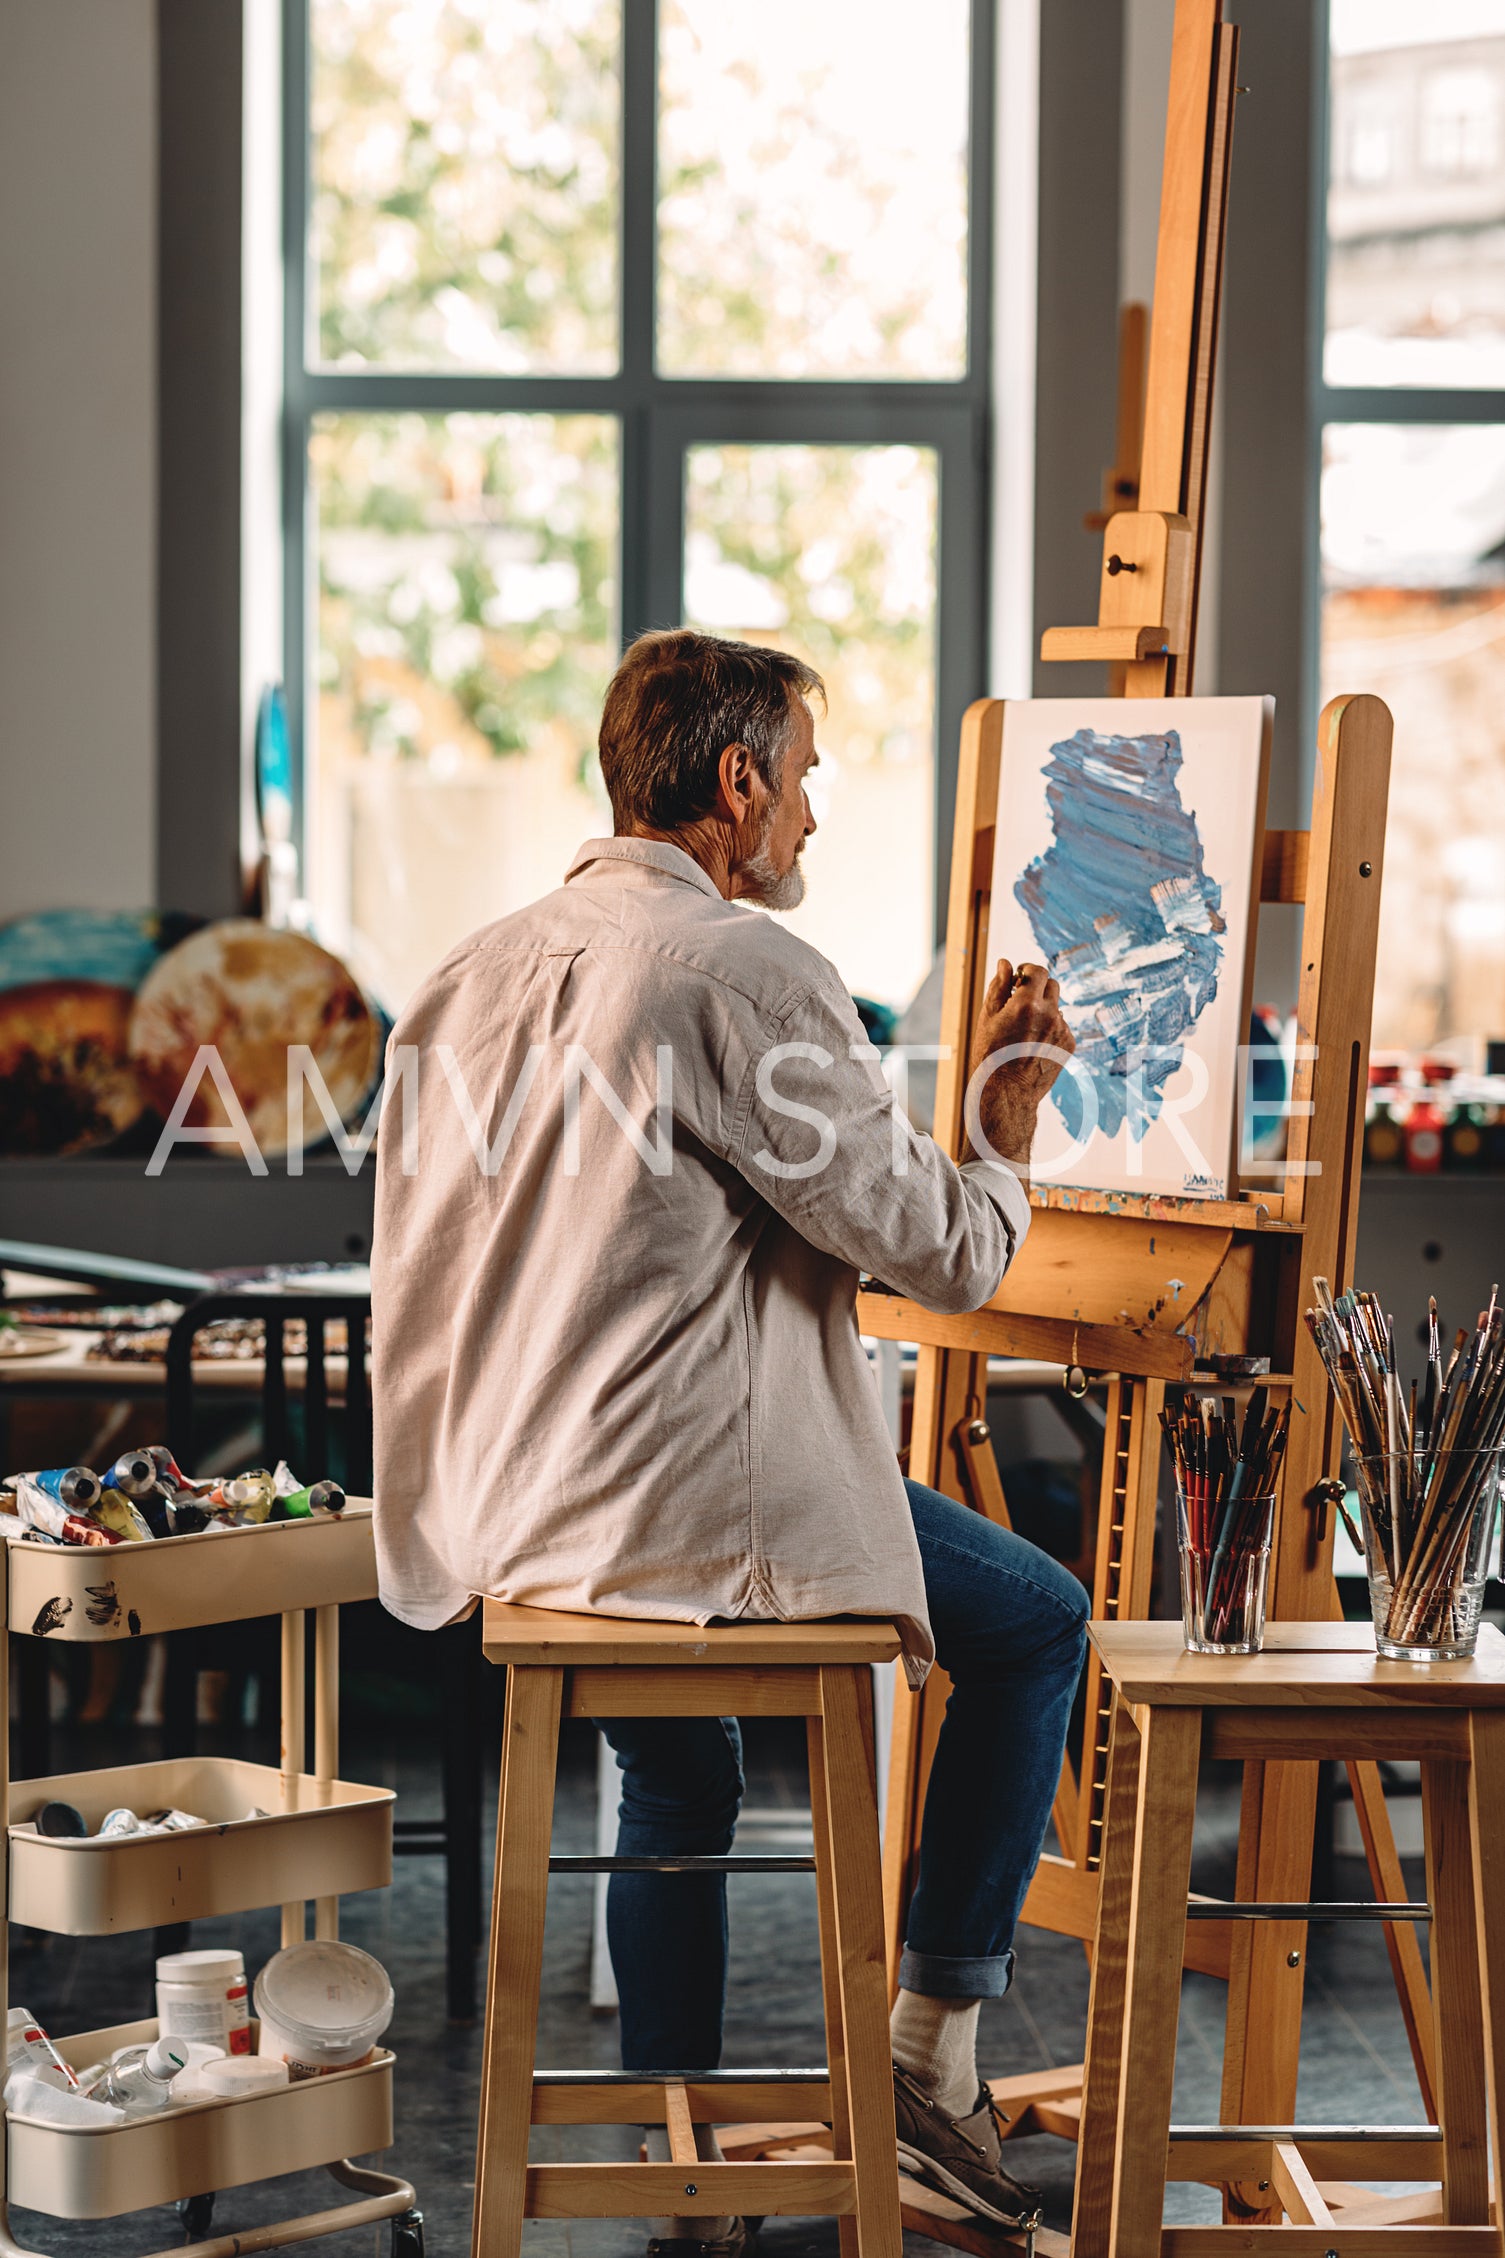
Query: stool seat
(541, 1635)
(577, 1665)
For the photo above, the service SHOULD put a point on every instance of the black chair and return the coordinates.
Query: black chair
(326, 1423)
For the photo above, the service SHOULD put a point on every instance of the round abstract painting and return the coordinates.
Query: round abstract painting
(250, 993)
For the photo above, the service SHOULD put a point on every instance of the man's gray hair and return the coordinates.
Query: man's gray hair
(677, 700)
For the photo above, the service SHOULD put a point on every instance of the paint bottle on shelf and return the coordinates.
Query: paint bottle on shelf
(1464, 1141)
(1426, 1123)
(1383, 1144)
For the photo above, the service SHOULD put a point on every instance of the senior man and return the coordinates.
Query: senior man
(617, 1366)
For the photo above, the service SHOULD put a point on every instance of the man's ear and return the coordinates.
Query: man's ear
(735, 776)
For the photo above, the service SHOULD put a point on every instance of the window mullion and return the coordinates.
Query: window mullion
(296, 172)
(638, 257)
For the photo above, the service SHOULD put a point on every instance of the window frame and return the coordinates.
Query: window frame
(1406, 406)
(1371, 403)
(660, 417)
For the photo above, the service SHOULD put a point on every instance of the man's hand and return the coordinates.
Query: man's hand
(1022, 1007)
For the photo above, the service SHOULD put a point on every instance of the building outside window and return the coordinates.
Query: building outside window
(604, 314)
(1412, 407)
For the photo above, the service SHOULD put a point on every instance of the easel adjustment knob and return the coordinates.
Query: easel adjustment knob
(1148, 561)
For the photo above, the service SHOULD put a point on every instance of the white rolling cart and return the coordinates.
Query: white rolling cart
(322, 1836)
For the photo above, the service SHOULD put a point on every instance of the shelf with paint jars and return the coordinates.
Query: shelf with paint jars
(275, 1836)
(1429, 1117)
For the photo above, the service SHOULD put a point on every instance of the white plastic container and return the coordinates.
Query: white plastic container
(323, 2006)
(188, 2085)
(202, 1995)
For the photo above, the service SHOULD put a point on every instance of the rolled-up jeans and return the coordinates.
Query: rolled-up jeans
(1009, 1626)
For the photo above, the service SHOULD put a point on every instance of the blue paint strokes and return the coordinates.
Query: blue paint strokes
(1135, 976)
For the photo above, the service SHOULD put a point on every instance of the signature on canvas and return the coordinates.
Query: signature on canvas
(1136, 976)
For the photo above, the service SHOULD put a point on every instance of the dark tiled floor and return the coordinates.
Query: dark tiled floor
(1355, 2065)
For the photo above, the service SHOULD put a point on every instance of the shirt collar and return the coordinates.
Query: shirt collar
(653, 854)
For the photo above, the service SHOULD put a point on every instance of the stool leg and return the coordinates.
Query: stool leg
(1156, 1942)
(851, 1859)
(519, 1895)
(1457, 2008)
(1487, 1814)
(1098, 2137)
(830, 1966)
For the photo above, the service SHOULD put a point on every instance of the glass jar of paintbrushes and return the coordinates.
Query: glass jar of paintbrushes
(1429, 1461)
(1227, 1467)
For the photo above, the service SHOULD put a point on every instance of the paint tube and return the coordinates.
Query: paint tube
(122, 1514)
(133, 1473)
(73, 1486)
(188, 1517)
(41, 1511)
(169, 1473)
(301, 1505)
(173, 1822)
(168, 1469)
(121, 1821)
(244, 1498)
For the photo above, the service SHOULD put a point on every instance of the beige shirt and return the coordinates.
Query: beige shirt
(616, 1362)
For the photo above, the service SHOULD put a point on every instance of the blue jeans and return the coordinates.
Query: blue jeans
(1009, 1627)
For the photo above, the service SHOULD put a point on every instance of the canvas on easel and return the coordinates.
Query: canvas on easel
(1126, 859)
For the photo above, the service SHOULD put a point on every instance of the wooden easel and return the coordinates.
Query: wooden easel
(1096, 1281)
(1140, 1288)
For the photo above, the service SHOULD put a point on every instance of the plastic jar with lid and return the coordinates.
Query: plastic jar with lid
(323, 2006)
(202, 1995)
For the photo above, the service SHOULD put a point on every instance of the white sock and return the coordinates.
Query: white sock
(695, 2228)
(935, 2040)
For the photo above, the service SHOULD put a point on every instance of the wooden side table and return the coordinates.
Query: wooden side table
(1319, 1690)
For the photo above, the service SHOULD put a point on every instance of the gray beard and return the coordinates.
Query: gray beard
(769, 888)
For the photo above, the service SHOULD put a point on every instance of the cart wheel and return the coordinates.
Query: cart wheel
(407, 2235)
(197, 2214)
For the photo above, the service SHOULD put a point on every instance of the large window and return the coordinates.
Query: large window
(605, 314)
(1413, 484)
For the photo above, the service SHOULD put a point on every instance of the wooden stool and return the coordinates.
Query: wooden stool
(1318, 1690)
(599, 1666)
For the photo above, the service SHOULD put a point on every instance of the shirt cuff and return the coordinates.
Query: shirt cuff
(1007, 1194)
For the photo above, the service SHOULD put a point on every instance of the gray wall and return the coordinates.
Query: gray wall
(77, 453)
